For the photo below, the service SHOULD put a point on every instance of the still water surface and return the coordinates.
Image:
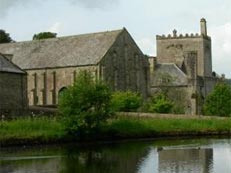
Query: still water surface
(159, 156)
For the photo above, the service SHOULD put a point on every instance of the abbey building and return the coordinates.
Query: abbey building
(53, 64)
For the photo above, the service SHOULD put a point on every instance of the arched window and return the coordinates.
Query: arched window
(61, 92)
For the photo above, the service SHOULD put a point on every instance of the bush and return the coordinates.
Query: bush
(126, 101)
(85, 105)
(159, 103)
(5, 37)
(218, 102)
(44, 35)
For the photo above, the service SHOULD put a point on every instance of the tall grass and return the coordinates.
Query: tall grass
(31, 128)
(49, 129)
(145, 127)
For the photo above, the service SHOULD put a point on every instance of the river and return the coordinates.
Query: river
(153, 156)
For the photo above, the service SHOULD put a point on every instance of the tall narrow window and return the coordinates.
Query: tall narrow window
(35, 97)
(115, 70)
(74, 76)
(126, 67)
(137, 72)
(114, 57)
(102, 72)
(54, 88)
(44, 88)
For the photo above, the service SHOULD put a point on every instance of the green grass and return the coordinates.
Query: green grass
(50, 129)
(145, 127)
(31, 128)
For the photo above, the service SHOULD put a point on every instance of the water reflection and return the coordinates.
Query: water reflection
(112, 159)
(31, 166)
(186, 160)
(142, 157)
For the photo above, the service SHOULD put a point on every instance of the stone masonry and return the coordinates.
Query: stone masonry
(53, 64)
(13, 91)
(183, 64)
(187, 59)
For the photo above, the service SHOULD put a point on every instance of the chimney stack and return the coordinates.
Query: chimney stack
(203, 27)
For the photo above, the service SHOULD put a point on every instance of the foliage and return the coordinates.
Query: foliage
(152, 127)
(4, 37)
(177, 96)
(178, 109)
(85, 105)
(218, 102)
(44, 35)
(41, 128)
(159, 103)
(126, 101)
(44, 129)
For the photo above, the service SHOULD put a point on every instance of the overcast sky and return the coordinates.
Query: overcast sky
(144, 19)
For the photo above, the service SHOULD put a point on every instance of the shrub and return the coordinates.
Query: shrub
(44, 35)
(126, 101)
(218, 102)
(5, 37)
(85, 105)
(159, 103)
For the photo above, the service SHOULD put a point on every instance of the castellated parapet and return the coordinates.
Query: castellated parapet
(203, 34)
(181, 36)
(172, 48)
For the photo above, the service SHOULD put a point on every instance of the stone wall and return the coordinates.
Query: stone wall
(125, 67)
(45, 85)
(174, 49)
(13, 91)
(192, 55)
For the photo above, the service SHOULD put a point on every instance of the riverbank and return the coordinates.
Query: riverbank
(33, 131)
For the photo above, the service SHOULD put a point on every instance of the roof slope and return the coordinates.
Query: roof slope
(7, 66)
(177, 76)
(79, 50)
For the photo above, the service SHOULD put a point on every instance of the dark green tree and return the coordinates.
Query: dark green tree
(218, 102)
(167, 99)
(85, 105)
(44, 35)
(159, 103)
(5, 37)
(126, 101)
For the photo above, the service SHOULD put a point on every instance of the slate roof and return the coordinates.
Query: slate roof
(7, 66)
(79, 50)
(179, 77)
(170, 68)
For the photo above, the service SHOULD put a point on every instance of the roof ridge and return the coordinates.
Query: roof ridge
(76, 50)
(167, 63)
(65, 37)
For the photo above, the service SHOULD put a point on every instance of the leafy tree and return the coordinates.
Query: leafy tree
(5, 37)
(159, 103)
(218, 102)
(85, 105)
(44, 35)
(126, 101)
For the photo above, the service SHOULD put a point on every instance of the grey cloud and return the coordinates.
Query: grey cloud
(5, 5)
(95, 4)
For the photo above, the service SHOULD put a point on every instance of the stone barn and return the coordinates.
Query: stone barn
(52, 64)
(13, 97)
